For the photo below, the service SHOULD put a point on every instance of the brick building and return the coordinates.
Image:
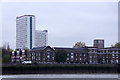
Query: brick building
(47, 55)
(86, 55)
(96, 54)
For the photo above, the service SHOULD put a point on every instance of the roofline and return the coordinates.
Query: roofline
(67, 48)
(24, 16)
(91, 47)
(99, 39)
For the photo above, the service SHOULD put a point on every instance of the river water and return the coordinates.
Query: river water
(62, 77)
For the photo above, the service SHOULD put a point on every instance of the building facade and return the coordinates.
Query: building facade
(92, 53)
(25, 31)
(87, 55)
(41, 38)
(99, 43)
(109, 56)
(47, 55)
(18, 56)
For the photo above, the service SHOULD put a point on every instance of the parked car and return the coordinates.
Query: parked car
(27, 62)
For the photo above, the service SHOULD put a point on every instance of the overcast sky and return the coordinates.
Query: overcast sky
(66, 22)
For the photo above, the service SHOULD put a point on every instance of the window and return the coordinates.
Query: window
(113, 51)
(72, 53)
(106, 56)
(117, 61)
(76, 59)
(113, 55)
(107, 61)
(23, 50)
(32, 57)
(68, 54)
(36, 54)
(84, 54)
(43, 58)
(80, 58)
(48, 56)
(76, 54)
(94, 61)
(17, 52)
(90, 61)
(48, 49)
(53, 58)
(116, 55)
(80, 54)
(12, 53)
(72, 57)
(36, 59)
(112, 61)
(103, 59)
(67, 58)
(116, 51)
(48, 53)
(90, 56)
(92, 50)
(88, 50)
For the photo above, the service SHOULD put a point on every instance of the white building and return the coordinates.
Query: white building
(41, 38)
(119, 32)
(25, 31)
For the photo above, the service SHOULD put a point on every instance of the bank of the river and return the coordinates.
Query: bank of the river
(60, 69)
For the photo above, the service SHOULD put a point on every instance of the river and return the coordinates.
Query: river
(62, 77)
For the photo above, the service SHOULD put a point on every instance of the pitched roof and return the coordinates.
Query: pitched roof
(41, 48)
(44, 47)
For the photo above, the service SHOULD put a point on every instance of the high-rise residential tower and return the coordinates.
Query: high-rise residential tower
(41, 38)
(25, 31)
(119, 21)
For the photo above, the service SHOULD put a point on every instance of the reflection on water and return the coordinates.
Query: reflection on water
(63, 76)
(60, 79)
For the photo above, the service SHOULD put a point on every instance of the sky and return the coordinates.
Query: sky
(66, 22)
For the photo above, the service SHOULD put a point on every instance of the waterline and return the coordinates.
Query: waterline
(62, 76)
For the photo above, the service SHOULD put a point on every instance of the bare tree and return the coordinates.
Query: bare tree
(79, 45)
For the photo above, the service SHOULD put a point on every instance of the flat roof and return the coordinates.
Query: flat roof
(24, 16)
(98, 39)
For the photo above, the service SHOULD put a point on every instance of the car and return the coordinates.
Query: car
(27, 62)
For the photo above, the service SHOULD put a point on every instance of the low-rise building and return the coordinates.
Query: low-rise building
(47, 55)
(109, 56)
(96, 54)
(92, 53)
(18, 56)
(86, 55)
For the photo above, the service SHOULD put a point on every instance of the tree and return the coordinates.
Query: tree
(5, 56)
(0, 55)
(79, 45)
(117, 45)
(6, 59)
(8, 47)
(60, 56)
(6, 53)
